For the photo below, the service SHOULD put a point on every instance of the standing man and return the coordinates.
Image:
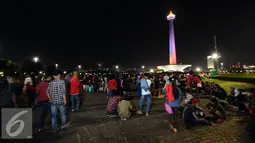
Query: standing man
(68, 96)
(105, 84)
(30, 90)
(146, 94)
(139, 85)
(75, 91)
(192, 82)
(6, 98)
(57, 95)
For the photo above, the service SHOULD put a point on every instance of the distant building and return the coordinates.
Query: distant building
(236, 68)
(210, 62)
(249, 68)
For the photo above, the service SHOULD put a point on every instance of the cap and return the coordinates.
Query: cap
(194, 101)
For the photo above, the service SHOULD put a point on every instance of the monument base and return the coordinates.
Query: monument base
(179, 68)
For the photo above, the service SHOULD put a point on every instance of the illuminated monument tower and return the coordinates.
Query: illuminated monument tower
(172, 51)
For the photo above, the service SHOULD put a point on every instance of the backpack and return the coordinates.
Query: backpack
(193, 85)
(176, 90)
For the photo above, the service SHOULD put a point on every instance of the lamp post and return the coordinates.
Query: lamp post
(215, 56)
(117, 67)
(56, 66)
(79, 66)
(198, 69)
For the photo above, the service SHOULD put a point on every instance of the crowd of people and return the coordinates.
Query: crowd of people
(53, 93)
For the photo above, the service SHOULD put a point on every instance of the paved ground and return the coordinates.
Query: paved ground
(92, 125)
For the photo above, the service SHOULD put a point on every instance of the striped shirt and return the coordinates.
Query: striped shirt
(57, 90)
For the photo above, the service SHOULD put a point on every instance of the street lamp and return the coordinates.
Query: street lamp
(79, 66)
(215, 56)
(221, 64)
(198, 69)
(117, 67)
(151, 70)
(35, 59)
(143, 67)
(56, 66)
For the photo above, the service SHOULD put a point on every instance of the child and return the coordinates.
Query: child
(124, 108)
(111, 108)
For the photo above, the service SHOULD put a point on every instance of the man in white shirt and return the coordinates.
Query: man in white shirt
(28, 80)
(146, 94)
(30, 90)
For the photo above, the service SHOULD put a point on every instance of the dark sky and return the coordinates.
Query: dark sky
(125, 32)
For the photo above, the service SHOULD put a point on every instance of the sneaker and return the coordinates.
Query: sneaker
(73, 110)
(139, 112)
(65, 126)
(147, 114)
(112, 116)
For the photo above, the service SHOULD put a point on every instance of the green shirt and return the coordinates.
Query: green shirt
(124, 108)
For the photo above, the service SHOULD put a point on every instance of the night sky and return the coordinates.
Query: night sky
(130, 33)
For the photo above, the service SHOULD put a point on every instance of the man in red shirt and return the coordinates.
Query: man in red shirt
(75, 91)
(192, 82)
(43, 101)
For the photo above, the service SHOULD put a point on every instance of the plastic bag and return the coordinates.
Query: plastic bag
(168, 108)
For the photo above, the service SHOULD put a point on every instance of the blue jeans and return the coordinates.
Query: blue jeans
(54, 113)
(148, 100)
(76, 99)
(139, 91)
(112, 93)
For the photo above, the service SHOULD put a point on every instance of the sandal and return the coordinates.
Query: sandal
(174, 130)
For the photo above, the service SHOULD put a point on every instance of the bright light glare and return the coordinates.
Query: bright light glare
(36, 59)
(151, 70)
(117, 67)
(143, 67)
(198, 69)
(79, 66)
(215, 56)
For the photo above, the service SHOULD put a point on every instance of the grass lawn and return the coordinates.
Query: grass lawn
(227, 84)
(238, 75)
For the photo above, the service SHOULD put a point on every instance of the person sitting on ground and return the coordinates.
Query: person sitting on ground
(124, 108)
(216, 109)
(111, 108)
(190, 116)
(221, 94)
(90, 88)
